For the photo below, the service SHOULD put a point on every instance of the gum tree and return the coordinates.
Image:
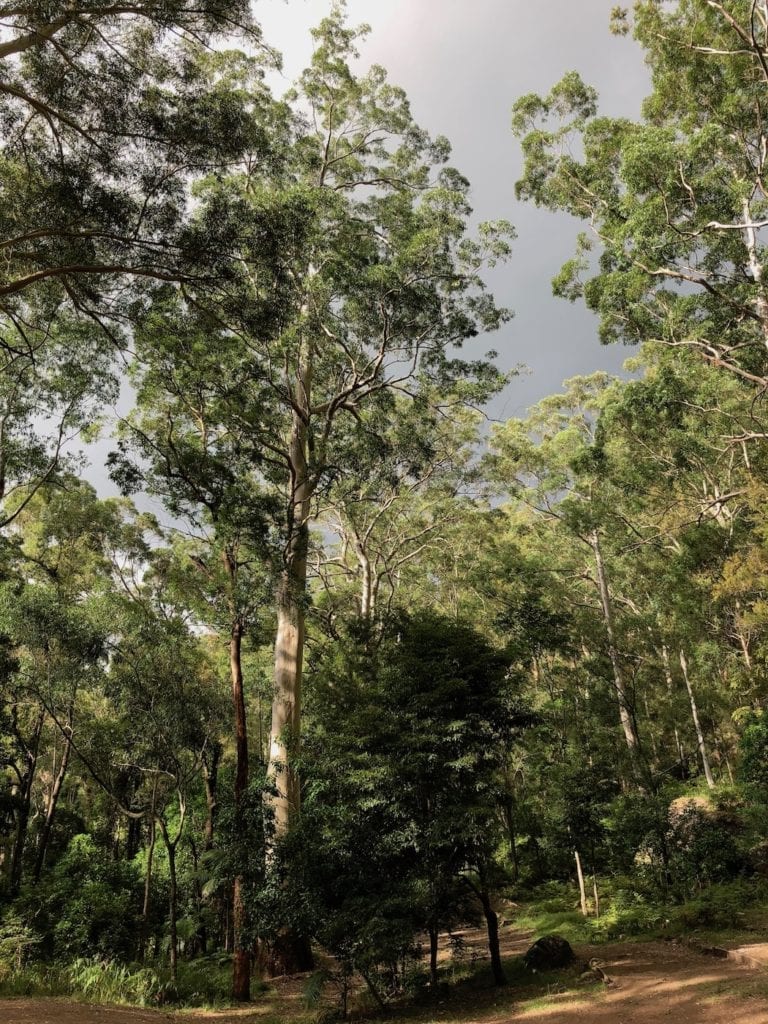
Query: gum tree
(675, 202)
(357, 282)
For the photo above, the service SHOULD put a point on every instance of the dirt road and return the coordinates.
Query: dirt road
(661, 983)
(652, 983)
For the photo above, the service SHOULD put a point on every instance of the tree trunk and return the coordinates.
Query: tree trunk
(696, 723)
(492, 926)
(173, 910)
(433, 938)
(508, 815)
(292, 587)
(144, 937)
(199, 946)
(53, 800)
(290, 951)
(286, 704)
(626, 716)
(367, 584)
(210, 771)
(596, 895)
(582, 889)
(668, 677)
(241, 961)
(171, 846)
(210, 781)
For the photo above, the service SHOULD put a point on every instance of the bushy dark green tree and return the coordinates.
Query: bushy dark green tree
(408, 736)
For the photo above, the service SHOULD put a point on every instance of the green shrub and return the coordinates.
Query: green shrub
(105, 981)
(17, 942)
(87, 905)
(718, 907)
(203, 982)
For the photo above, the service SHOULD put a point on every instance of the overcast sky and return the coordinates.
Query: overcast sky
(463, 63)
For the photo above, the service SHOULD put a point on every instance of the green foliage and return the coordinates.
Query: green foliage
(511, 659)
(419, 719)
(754, 753)
(201, 982)
(18, 943)
(87, 905)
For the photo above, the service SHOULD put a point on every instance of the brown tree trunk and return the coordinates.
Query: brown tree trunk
(171, 846)
(210, 771)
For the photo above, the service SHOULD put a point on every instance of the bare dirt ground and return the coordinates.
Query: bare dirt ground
(660, 983)
(651, 983)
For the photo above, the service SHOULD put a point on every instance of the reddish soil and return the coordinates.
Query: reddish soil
(662, 983)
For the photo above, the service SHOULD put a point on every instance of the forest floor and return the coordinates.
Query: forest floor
(650, 983)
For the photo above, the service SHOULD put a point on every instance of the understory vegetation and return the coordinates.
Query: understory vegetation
(345, 670)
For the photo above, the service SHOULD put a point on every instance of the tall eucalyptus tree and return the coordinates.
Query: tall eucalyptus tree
(357, 281)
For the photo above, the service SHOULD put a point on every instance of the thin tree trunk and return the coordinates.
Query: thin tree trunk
(31, 750)
(651, 734)
(670, 685)
(200, 944)
(173, 910)
(696, 723)
(210, 771)
(53, 800)
(751, 241)
(582, 889)
(210, 781)
(508, 815)
(241, 961)
(596, 895)
(625, 707)
(144, 937)
(374, 992)
(492, 927)
(171, 846)
(433, 950)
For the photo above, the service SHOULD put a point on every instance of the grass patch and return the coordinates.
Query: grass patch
(744, 987)
(476, 998)
(727, 913)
